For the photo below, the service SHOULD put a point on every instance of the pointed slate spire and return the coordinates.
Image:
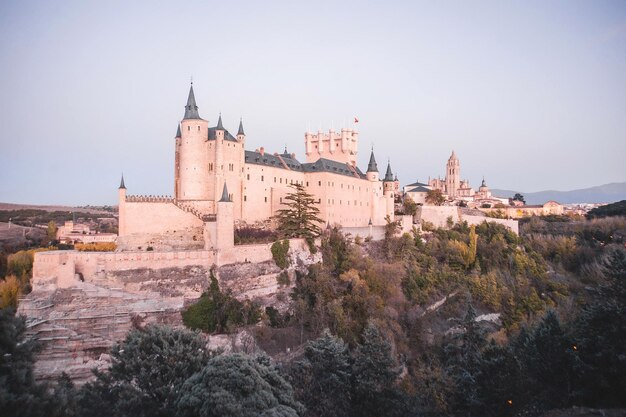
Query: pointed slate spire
(240, 131)
(122, 186)
(191, 109)
(178, 131)
(483, 184)
(372, 166)
(219, 123)
(388, 174)
(225, 198)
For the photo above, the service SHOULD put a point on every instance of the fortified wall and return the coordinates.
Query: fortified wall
(439, 215)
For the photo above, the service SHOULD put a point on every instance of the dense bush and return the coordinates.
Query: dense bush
(216, 311)
(96, 247)
(249, 235)
(280, 252)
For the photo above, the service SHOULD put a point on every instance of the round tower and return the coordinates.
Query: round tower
(191, 154)
(372, 168)
(388, 182)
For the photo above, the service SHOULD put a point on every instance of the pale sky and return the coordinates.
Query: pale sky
(530, 94)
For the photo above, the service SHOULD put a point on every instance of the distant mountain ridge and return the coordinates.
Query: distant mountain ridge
(607, 193)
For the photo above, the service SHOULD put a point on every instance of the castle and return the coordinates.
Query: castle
(218, 183)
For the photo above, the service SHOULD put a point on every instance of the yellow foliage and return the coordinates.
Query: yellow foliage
(9, 292)
(486, 289)
(96, 247)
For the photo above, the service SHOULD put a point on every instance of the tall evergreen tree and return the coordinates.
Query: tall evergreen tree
(237, 385)
(147, 373)
(464, 364)
(374, 374)
(301, 217)
(322, 378)
(549, 361)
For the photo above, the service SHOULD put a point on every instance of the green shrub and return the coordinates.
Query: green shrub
(219, 312)
(283, 279)
(280, 250)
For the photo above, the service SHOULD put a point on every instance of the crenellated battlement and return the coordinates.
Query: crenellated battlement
(149, 199)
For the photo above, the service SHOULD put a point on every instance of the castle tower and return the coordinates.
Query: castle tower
(225, 227)
(453, 175)
(191, 180)
(372, 168)
(241, 136)
(226, 163)
(122, 208)
(388, 181)
(337, 146)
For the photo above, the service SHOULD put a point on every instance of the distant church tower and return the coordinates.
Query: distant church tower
(453, 175)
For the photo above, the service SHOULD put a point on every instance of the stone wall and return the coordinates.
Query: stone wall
(439, 215)
(511, 224)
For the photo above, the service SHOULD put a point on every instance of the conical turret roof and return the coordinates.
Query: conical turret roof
(372, 166)
(225, 198)
(191, 109)
(220, 126)
(122, 186)
(178, 131)
(388, 174)
(240, 131)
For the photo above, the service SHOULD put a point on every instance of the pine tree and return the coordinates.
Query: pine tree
(322, 378)
(374, 374)
(237, 385)
(464, 364)
(149, 368)
(301, 217)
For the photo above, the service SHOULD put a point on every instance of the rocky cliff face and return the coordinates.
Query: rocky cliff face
(77, 326)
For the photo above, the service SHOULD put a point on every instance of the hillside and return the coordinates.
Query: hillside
(607, 193)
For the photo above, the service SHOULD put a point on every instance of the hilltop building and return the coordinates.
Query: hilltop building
(217, 183)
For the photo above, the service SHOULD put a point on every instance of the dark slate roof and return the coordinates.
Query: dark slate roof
(225, 198)
(191, 110)
(388, 174)
(417, 184)
(219, 123)
(327, 165)
(419, 189)
(227, 135)
(178, 131)
(122, 186)
(372, 166)
(321, 165)
(252, 157)
(240, 131)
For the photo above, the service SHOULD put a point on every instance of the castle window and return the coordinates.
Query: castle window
(274, 179)
(248, 176)
(307, 183)
(198, 128)
(281, 200)
(266, 199)
(319, 183)
(262, 178)
(281, 180)
(188, 128)
(245, 198)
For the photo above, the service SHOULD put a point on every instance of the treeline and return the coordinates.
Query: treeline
(31, 217)
(609, 210)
